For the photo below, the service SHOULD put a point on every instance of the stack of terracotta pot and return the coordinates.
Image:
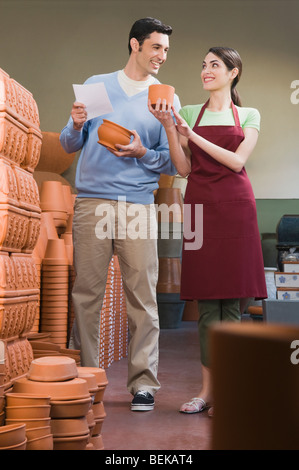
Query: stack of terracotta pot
(76, 401)
(34, 412)
(20, 213)
(169, 203)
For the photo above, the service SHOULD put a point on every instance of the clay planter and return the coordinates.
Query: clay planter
(8, 184)
(18, 102)
(53, 158)
(69, 427)
(52, 369)
(28, 193)
(70, 408)
(65, 390)
(97, 442)
(91, 382)
(12, 434)
(111, 133)
(55, 250)
(160, 91)
(14, 224)
(31, 423)
(169, 279)
(21, 446)
(169, 204)
(71, 443)
(51, 196)
(99, 373)
(40, 443)
(13, 138)
(32, 156)
(34, 433)
(27, 412)
(20, 399)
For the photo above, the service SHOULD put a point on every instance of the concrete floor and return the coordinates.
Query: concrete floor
(164, 428)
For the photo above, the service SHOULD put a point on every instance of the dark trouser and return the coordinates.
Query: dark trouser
(210, 312)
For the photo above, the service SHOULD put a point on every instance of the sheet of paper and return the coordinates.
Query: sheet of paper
(95, 98)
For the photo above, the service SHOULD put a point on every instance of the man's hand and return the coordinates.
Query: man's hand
(134, 150)
(79, 115)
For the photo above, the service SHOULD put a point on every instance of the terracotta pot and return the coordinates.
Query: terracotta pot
(169, 279)
(31, 423)
(21, 446)
(27, 412)
(34, 433)
(111, 133)
(71, 443)
(55, 250)
(97, 441)
(53, 158)
(98, 426)
(69, 427)
(13, 138)
(14, 223)
(67, 194)
(98, 411)
(51, 196)
(52, 369)
(12, 434)
(91, 382)
(64, 390)
(169, 205)
(40, 443)
(99, 373)
(70, 408)
(160, 91)
(21, 399)
(32, 156)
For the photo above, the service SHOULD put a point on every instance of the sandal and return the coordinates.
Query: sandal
(197, 404)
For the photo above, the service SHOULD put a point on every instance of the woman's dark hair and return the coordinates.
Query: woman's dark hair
(232, 59)
(143, 28)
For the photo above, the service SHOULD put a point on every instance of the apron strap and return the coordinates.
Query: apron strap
(235, 113)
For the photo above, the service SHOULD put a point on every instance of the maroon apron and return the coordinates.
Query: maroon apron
(229, 263)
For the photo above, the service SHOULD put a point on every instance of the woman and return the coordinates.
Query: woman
(211, 143)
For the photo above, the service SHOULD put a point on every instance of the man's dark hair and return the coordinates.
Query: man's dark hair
(142, 29)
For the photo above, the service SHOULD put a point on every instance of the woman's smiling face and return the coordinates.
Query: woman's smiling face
(215, 75)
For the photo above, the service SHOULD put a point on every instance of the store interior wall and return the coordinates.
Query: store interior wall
(47, 45)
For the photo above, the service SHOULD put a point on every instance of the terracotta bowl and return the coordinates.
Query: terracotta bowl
(71, 443)
(70, 408)
(99, 395)
(111, 133)
(27, 412)
(20, 399)
(12, 434)
(40, 443)
(161, 91)
(73, 389)
(52, 369)
(31, 423)
(69, 427)
(34, 433)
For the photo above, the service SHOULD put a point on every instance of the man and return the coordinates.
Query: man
(113, 184)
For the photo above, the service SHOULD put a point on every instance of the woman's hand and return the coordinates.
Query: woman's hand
(162, 112)
(181, 125)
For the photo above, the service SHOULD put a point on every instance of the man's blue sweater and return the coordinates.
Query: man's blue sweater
(99, 173)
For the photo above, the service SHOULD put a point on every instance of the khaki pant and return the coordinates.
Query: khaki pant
(101, 227)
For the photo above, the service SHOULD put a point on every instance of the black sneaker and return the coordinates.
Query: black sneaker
(142, 401)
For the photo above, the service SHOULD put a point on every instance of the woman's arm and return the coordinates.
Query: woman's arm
(178, 144)
(233, 160)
